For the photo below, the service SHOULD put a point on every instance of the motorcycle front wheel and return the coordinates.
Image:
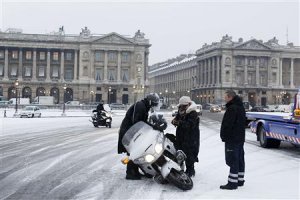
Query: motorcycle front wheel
(180, 179)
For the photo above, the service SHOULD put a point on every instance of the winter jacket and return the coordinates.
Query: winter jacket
(137, 112)
(188, 134)
(100, 108)
(233, 123)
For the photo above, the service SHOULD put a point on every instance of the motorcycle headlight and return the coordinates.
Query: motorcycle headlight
(149, 158)
(158, 148)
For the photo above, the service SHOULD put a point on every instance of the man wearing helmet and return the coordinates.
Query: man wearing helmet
(137, 112)
(187, 132)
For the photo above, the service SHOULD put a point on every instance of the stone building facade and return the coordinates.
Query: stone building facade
(260, 72)
(173, 78)
(83, 67)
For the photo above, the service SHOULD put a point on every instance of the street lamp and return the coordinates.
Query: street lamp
(167, 97)
(64, 103)
(109, 90)
(16, 86)
(174, 99)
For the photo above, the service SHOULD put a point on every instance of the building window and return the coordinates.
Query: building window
(14, 70)
(112, 74)
(69, 73)
(251, 78)
(263, 62)
(125, 89)
(1, 54)
(99, 74)
(239, 79)
(27, 71)
(55, 72)
(125, 57)
(55, 56)
(274, 77)
(98, 56)
(227, 76)
(42, 56)
(239, 61)
(112, 56)
(251, 62)
(1, 69)
(14, 54)
(69, 56)
(28, 55)
(41, 72)
(125, 75)
(98, 88)
(85, 71)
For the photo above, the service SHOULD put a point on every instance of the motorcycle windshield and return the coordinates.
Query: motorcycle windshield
(140, 127)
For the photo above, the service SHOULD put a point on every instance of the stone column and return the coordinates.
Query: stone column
(233, 71)
(209, 70)
(246, 71)
(75, 64)
(218, 70)
(213, 70)
(34, 66)
(280, 72)
(119, 67)
(292, 74)
(269, 67)
(257, 72)
(201, 74)
(20, 71)
(105, 66)
(6, 64)
(62, 66)
(48, 67)
(92, 69)
(205, 74)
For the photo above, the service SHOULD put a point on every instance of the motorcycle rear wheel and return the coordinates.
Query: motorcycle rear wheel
(180, 179)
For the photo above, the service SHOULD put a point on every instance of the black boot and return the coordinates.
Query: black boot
(132, 172)
(229, 186)
(241, 183)
(190, 171)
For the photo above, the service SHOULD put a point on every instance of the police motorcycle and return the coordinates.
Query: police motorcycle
(155, 154)
(102, 119)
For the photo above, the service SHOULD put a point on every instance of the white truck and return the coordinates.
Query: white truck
(20, 101)
(44, 100)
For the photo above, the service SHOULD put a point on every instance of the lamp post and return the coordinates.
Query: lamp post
(16, 86)
(109, 90)
(167, 97)
(64, 103)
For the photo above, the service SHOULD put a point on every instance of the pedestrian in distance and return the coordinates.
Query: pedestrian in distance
(187, 132)
(232, 134)
(137, 112)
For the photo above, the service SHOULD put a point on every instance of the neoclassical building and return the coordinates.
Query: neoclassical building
(260, 72)
(84, 67)
(173, 78)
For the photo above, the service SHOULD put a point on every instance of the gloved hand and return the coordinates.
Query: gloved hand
(175, 122)
(160, 125)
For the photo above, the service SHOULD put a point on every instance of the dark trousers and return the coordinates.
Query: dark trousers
(234, 156)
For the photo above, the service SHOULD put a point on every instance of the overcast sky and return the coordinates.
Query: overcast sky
(173, 27)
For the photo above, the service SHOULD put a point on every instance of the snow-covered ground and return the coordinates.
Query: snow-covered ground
(67, 158)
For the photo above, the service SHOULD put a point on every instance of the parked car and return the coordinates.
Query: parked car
(215, 108)
(30, 111)
(258, 109)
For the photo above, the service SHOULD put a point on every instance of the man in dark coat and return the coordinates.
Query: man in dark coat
(187, 132)
(233, 134)
(137, 112)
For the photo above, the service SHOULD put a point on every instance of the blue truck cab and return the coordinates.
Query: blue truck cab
(272, 128)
